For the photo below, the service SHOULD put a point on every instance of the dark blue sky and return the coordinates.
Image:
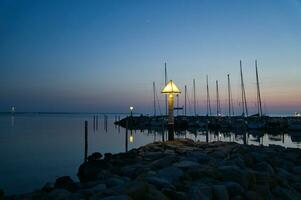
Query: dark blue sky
(104, 55)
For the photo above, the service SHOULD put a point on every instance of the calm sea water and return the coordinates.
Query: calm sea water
(38, 148)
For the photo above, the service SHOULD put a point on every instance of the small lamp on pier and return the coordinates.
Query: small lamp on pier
(170, 89)
(131, 108)
(131, 138)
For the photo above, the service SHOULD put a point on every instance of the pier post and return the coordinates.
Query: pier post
(170, 117)
(245, 138)
(96, 122)
(86, 141)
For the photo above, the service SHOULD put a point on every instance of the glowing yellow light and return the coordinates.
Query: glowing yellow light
(170, 88)
(131, 138)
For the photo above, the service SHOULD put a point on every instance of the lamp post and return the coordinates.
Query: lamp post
(170, 89)
(131, 108)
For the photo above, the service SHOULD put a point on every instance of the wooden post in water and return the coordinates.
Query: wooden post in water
(163, 132)
(96, 122)
(118, 125)
(86, 142)
(245, 137)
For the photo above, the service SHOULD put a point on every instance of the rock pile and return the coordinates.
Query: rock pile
(183, 169)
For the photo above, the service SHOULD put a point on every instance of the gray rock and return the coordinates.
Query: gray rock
(174, 195)
(264, 167)
(285, 174)
(220, 154)
(239, 162)
(114, 181)
(220, 192)
(186, 164)
(163, 162)
(95, 156)
(284, 193)
(170, 173)
(99, 187)
(201, 192)
(233, 188)
(251, 195)
(118, 197)
(258, 156)
(142, 190)
(297, 170)
(159, 182)
(93, 190)
(59, 194)
(197, 156)
(233, 173)
(65, 182)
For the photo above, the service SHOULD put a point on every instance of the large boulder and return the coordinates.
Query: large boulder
(163, 162)
(233, 188)
(185, 164)
(59, 194)
(235, 174)
(220, 192)
(170, 174)
(140, 190)
(65, 182)
(200, 192)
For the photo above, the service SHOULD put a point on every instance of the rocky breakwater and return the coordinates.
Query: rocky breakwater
(184, 169)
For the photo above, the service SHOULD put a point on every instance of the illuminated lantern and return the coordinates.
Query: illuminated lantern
(170, 89)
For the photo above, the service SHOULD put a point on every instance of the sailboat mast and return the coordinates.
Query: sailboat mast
(229, 95)
(258, 92)
(185, 103)
(194, 99)
(154, 90)
(243, 95)
(217, 100)
(208, 98)
(165, 79)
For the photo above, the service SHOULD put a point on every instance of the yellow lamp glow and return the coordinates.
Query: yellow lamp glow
(131, 138)
(171, 88)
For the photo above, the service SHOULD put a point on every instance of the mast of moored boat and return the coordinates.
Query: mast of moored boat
(218, 106)
(165, 77)
(243, 93)
(194, 101)
(258, 92)
(185, 103)
(229, 95)
(154, 90)
(208, 99)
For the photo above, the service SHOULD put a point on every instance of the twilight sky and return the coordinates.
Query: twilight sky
(61, 55)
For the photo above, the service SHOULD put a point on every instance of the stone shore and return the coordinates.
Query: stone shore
(180, 170)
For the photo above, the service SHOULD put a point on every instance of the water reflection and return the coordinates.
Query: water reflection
(12, 121)
(247, 137)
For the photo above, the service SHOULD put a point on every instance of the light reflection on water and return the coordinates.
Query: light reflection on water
(36, 148)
